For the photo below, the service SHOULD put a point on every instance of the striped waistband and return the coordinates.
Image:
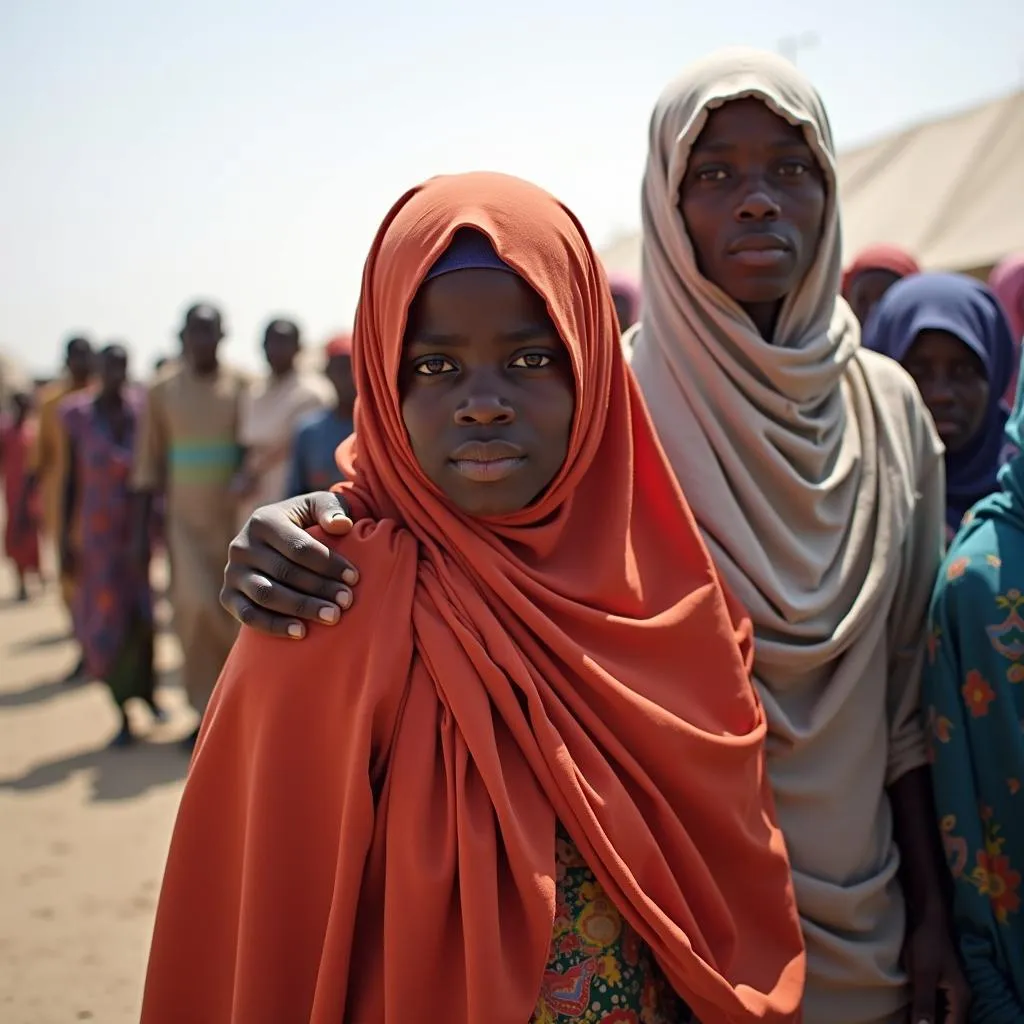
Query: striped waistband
(203, 461)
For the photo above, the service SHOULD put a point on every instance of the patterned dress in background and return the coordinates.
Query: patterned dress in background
(599, 972)
(974, 700)
(114, 610)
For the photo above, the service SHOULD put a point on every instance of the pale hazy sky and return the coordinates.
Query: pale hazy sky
(152, 153)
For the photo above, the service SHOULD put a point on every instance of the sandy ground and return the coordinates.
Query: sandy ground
(83, 830)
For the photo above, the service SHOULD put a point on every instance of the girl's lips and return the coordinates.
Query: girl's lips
(488, 471)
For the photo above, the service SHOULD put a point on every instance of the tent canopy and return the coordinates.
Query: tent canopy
(950, 191)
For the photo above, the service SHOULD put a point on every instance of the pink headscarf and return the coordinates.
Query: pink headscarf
(339, 345)
(880, 257)
(1007, 284)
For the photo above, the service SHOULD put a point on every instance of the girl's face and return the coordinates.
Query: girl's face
(953, 384)
(487, 390)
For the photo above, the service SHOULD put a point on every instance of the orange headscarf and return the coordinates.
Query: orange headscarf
(368, 829)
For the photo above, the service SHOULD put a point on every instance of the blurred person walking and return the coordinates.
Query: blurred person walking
(114, 604)
(313, 465)
(21, 512)
(187, 449)
(271, 411)
(48, 461)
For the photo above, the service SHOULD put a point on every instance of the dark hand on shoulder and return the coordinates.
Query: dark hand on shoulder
(278, 575)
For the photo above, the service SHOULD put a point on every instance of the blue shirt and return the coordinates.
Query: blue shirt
(312, 466)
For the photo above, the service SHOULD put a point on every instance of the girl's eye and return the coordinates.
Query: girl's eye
(433, 365)
(532, 361)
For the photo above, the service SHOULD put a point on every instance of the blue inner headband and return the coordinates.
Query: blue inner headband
(469, 250)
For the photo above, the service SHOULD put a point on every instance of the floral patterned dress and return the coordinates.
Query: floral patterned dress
(599, 969)
(974, 699)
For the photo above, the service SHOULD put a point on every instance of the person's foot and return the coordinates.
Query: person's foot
(22, 596)
(188, 744)
(124, 738)
(77, 674)
(158, 713)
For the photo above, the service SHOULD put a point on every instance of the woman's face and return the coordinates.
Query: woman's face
(953, 384)
(753, 201)
(487, 390)
(867, 289)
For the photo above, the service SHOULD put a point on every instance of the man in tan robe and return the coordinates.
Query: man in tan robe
(271, 412)
(188, 450)
(48, 458)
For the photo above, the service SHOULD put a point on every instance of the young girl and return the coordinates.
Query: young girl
(523, 779)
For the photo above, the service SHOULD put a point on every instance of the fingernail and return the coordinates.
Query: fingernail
(343, 599)
(350, 576)
(329, 614)
(295, 631)
(336, 517)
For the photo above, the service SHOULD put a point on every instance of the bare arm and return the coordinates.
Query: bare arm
(69, 501)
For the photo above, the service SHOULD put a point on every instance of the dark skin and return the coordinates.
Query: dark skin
(487, 397)
(866, 290)
(953, 384)
(753, 200)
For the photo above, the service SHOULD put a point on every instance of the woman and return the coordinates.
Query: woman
(816, 478)
(1007, 284)
(875, 270)
(975, 701)
(472, 808)
(114, 603)
(950, 334)
(21, 515)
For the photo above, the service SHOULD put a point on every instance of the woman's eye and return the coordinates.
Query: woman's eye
(532, 361)
(794, 168)
(433, 365)
(968, 372)
(711, 174)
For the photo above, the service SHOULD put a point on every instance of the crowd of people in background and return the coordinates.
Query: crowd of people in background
(822, 481)
(105, 470)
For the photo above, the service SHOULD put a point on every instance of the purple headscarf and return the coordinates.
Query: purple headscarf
(966, 309)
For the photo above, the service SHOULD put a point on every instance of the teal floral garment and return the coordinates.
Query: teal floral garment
(599, 972)
(974, 697)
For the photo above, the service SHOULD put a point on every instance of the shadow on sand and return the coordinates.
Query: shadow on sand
(121, 774)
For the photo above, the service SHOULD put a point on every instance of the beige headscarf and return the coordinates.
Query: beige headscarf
(778, 460)
(816, 479)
